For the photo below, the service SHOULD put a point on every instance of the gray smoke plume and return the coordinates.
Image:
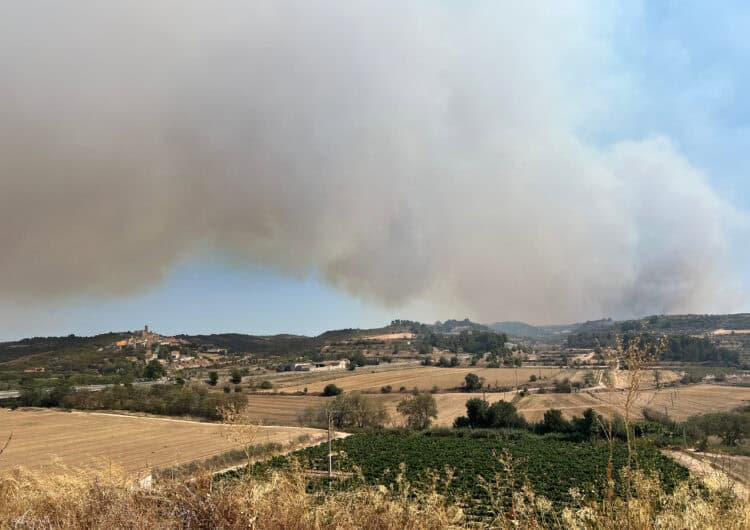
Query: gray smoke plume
(403, 150)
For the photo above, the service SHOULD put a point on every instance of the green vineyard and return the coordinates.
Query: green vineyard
(479, 463)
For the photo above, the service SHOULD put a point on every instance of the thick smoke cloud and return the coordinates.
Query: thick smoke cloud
(403, 151)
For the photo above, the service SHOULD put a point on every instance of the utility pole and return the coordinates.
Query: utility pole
(330, 464)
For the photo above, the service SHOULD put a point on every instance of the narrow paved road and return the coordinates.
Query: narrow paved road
(10, 394)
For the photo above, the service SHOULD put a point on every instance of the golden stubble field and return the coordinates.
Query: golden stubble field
(679, 402)
(42, 437)
(423, 378)
(278, 409)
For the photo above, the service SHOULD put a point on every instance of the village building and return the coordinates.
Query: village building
(321, 366)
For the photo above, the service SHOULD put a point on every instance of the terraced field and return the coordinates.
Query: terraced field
(42, 437)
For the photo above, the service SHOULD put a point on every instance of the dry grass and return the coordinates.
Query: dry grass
(679, 402)
(43, 437)
(449, 406)
(716, 470)
(93, 500)
(647, 378)
(533, 406)
(685, 401)
(270, 409)
(421, 377)
(76, 499)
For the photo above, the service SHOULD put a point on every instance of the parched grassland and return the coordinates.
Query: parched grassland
(43, 437)
(678, 402)
(420, 377)
(449, 406)
(534, 406)
(276, 409)
(682, 402)
(648, 378)
(298, 381)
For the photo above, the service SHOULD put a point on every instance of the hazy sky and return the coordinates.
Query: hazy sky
(279, 166)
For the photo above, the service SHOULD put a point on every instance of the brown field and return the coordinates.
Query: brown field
(449, 406)
(284, 381)
(43, 437)
(421, 377)
(679, 402)
(411, 375)
(270, 409)
(647, 378)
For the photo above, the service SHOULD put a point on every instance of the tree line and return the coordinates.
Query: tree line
(732, 428)
(169, 400)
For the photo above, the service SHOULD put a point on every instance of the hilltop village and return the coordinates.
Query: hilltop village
(172, 352)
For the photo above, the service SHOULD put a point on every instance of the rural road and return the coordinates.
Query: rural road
(707, 472)
(10, 394)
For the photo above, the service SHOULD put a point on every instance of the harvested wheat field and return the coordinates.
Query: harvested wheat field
(648, 378)
(42, 437)
(534, 406)
(682, 402)
(423, 378)
(679, 402)
(271, 409)
(449, 406)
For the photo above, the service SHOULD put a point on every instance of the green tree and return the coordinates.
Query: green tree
(476, 411)
(331, 390)
(213, 378)
(418, 410)
(154, 370)
(554, 422)
(358, 359)
(503, 414)
(355, 410)
(472, 382)
(587, 425)
(731, 427)
(236, 377)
